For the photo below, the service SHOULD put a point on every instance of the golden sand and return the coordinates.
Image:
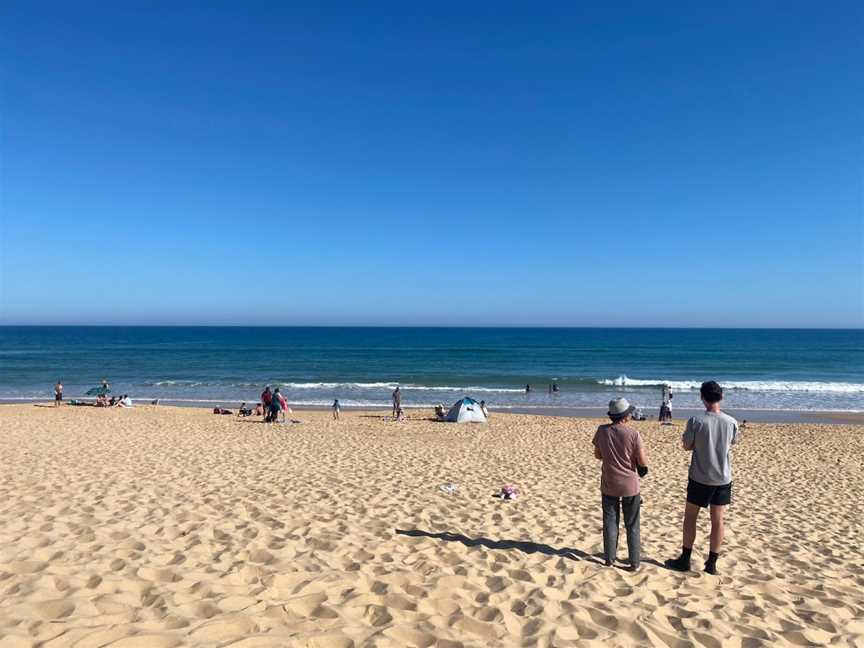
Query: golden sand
(162, 527)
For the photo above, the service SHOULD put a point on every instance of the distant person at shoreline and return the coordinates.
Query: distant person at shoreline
(484, 409)
(123, 401)
(283, 403)
(58, 393)
(623, 457)
(665, 417)
(275, 407)
(709, 437)
(105, 386)
(397, 402)
(527, 389)
(336, 409)
(266, 399)
(554, 388)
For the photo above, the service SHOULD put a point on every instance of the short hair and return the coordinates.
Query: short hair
(711, 392)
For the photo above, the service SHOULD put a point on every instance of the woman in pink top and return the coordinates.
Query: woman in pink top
(620, 449)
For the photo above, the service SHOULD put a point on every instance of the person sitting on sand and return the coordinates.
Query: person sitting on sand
(259, 410)
(400, 415)
(621, 450)
(244, 411)
(124, 401)
(336, 409)
(101, 400)
(709, 437)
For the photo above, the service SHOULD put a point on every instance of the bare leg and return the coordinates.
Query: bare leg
(718, 527)
(691, 514)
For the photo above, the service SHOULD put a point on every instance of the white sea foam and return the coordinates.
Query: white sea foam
(393, 385)
(743, 385)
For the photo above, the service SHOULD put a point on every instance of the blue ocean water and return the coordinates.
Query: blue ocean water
(761, 369)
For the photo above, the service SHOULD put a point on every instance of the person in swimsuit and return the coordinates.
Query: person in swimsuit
(58, 393)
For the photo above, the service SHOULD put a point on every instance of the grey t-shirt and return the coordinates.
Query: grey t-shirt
(711, 435)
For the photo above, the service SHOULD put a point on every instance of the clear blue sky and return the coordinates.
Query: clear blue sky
(401, 163)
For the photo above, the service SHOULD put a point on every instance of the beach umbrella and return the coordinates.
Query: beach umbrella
(98, 391)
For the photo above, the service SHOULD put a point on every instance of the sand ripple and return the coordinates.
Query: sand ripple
(161, 527)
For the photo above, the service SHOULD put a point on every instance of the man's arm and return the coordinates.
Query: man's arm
(597, 454)
(688, 439)
(641, 456)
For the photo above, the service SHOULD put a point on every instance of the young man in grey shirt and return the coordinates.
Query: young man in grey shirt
(709, 436)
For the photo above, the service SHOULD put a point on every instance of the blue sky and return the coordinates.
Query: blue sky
(644, 164)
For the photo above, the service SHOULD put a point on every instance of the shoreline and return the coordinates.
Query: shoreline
(821, 417)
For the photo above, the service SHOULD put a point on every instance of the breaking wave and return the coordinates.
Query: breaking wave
(742, 385)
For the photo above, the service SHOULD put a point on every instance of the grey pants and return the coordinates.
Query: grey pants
(611, 521)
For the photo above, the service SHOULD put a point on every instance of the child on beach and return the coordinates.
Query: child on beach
(336, 409)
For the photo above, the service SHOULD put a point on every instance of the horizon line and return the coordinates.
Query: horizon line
(441, 326)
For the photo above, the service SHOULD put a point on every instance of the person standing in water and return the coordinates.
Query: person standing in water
(528, 389)
(397, 402)
(58, 393)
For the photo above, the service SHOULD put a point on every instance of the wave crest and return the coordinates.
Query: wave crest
(741, 385)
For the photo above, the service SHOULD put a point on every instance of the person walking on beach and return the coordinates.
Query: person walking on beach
(709, 437)
(336, 409)
(622, 453)
(397, 402)
(58, 393)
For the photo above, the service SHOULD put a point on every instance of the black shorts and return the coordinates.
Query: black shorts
(58, 397)
(702, 495)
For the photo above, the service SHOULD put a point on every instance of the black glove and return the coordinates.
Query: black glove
(642, 470)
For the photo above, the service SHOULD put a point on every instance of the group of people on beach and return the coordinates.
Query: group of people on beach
(102, 398)
(708, 436)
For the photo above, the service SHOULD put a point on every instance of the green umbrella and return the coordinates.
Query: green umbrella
(98, 391)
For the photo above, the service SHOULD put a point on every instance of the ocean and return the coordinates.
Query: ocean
(796, 370)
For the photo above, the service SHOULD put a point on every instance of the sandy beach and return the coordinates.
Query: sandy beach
(158, 527)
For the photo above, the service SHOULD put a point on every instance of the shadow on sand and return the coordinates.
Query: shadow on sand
(520, 545)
